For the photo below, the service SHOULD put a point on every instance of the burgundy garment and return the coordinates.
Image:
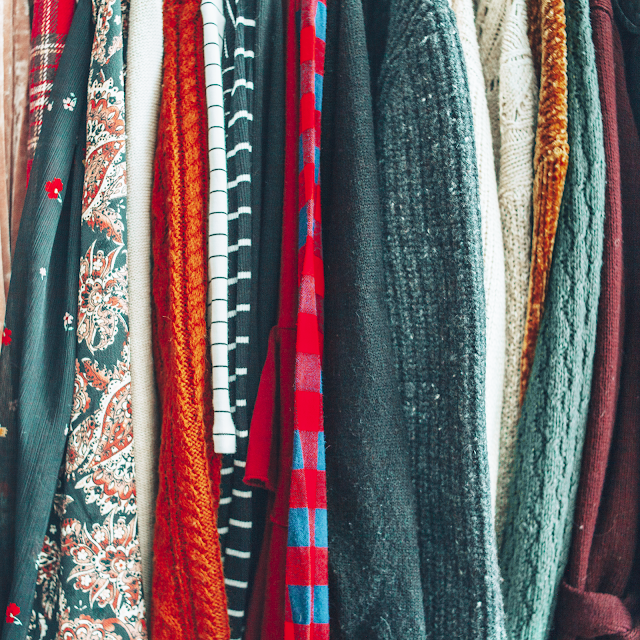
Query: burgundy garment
(593, 599)
(270, 453)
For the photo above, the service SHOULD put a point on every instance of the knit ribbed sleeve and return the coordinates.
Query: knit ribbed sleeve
(518, 110)
(432, 251)
(552, 427)
(492, 247)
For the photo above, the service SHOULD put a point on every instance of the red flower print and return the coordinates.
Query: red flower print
(13, 611)
(53, 188)
(6, 336)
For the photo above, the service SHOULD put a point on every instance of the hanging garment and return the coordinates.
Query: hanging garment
(551, 431)
(37, 365)
(432, 255)
(267, 180)
(627, 13)
(270, 454)
(547, 34)
(143, 87)
(375, 588)
(188, 586)
(518, 92)
(491, 17)
(94, 513)
(235, 512)
(594, 599)
(224, 435)
(49, 28)
(492, 245)
(307, 582)
(14, 80)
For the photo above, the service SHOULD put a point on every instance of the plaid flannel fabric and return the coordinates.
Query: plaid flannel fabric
(51, 23)
(307, 601)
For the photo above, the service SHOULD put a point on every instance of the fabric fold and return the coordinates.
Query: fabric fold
(188, 585)
(375, 588)
(37, 365)
(551, 430)
(432, 256)
(518, 110)
(548, 37)
(492, 244)
(143, 89)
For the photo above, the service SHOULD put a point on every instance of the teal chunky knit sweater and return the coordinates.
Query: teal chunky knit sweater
(552, 426)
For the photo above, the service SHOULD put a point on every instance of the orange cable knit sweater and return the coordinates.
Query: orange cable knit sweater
(188, 599)
(548, 37)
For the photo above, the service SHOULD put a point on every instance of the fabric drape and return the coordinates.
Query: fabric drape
(188, 585)
(224, 435)
(307, 589)
(235, 513)
(94, 510)
(551, 430)
(267, 179)
(37, 365)
(547, 34)
(609, 339)
(433, 263)
(14, 76)
(49, 28)
(143, 87)
(492, 244)
(595, 597)
(375, 588)
(518, 93)
(627, 13)
(270, 455)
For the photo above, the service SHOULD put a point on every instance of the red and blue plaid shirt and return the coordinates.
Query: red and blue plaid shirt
(307, 591)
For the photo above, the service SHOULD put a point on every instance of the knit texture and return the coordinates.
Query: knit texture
(235, 512)
(432, 254)
(491, 18)
(492, 244)
(554, 414)
(609, 339)
(518, 111)
(188, 590)
(143, 88)
(594, 599)
(37, 364)
(547, 34)
(375, 588)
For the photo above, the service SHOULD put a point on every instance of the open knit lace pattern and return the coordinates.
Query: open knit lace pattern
(518, 91)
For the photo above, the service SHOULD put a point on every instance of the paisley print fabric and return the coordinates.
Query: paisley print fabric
(89, 579)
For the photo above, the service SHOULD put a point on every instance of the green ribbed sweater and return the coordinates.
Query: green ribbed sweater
(432, 252)
(554, 415)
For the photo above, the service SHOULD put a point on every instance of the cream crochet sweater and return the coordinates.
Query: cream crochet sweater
(512, 93)
(492, 245)
(143, 86)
